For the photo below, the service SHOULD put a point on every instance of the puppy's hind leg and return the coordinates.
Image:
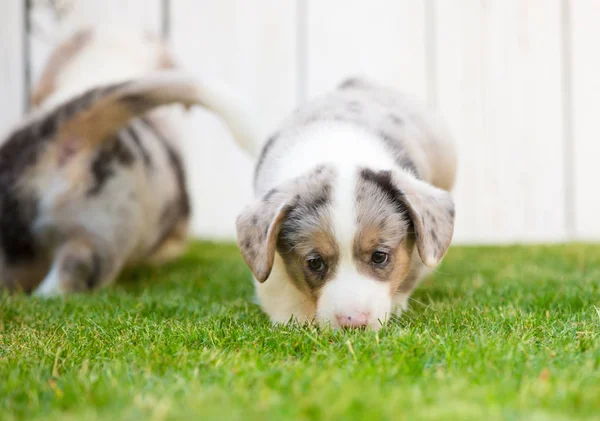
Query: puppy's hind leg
(172, 246)
(78, 266)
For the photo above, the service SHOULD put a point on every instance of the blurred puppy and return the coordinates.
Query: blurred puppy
(93, 180)
(346, 191)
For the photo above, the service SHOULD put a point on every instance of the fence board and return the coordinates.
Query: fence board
(496, 69)
(586, 108)
(384, 40)
(250, 46)
(499, 81)
(12, 63)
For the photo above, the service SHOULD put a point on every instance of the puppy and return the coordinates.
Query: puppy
(93, 180)
(352, 205)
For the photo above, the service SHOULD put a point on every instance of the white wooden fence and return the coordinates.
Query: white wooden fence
(517, 80)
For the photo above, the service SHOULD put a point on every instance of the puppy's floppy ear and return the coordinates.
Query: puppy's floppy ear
(258, 227)
(259, 224)
(432, 213)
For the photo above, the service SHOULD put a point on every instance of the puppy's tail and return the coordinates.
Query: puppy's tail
(100, 113)
(219, 98)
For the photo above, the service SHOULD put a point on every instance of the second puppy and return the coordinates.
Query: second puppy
(94, 180)
(352, 204)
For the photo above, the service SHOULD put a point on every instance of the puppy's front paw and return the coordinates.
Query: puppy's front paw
(50, 286)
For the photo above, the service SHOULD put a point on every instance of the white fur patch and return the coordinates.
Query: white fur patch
(280, 298)
(350, 293)
(342, 145)
(50, 286)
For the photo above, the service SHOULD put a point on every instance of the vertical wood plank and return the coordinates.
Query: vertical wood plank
(252, 47)
(585, 71)
(380, 39)
(12, 63)
(49, 25)
(499, 79)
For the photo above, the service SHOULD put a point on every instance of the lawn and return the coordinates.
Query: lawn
(498, 333)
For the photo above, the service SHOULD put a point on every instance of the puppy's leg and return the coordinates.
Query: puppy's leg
(172, 247)
(77, 266)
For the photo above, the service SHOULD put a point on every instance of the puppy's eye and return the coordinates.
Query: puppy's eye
(317, 264)
(379, 258)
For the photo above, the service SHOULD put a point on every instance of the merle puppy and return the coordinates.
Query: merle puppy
(352, 204)
(93, 180)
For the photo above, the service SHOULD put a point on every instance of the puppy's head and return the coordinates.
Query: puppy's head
(347, 238)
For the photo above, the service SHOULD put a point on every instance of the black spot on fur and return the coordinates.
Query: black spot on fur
(102, 171)
(400, 154)
(319, 201)
(299, 210)
(176, 166)
(254, 220)
(113, 152)
(351, 83)
(170, 215)
(263, 153)
(139, 145)
(395, 119)
(433, 235)
(17, 213)
(95, 272)
(451, 211)
(269, 194)
(47, 127)
(383, 180)
(18, 209)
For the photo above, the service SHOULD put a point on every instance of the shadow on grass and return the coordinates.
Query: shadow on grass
(215, 269)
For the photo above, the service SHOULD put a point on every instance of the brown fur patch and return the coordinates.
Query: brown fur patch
(296, 203)
(97, 123)
(383, 225)
(375, 238)
(296, 249)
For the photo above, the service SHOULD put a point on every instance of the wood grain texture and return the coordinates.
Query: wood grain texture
(251, 46)
(499, 79)
(515, 79)
(12, 63)
(383, 40)
(585, 72)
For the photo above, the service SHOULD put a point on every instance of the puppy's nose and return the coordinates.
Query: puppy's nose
(358, 319)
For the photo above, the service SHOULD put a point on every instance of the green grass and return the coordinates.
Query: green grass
(497, 333)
